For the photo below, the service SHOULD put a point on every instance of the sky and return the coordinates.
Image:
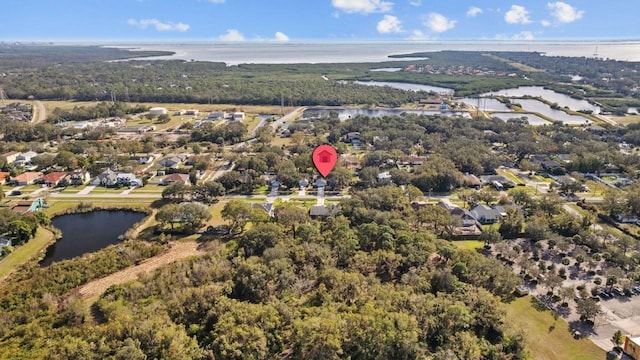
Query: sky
(317, 20)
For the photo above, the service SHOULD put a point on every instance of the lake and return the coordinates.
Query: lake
(88, 232)
(346, 113)
(408, 86)
(485, 104)
(537, 106)
(549, 95)
(532, 119)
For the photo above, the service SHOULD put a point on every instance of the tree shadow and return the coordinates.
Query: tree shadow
(580, 329)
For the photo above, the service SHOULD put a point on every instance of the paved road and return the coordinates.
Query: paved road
(290, 116)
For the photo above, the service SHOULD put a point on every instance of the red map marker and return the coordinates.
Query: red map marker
(325, 158)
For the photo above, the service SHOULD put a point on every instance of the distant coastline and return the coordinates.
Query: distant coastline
(365, 52)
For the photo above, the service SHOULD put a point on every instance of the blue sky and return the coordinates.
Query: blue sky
(304, 20)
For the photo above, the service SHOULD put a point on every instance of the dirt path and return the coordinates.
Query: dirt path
(145, 224)
(179, 250)
(39, 113)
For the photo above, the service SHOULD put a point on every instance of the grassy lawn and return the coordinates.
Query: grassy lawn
(149, 188)
(626, 120)
(547, 338)
(511, 176)
(24, 253)
(60, 205)
(469, 244)
(105, 190)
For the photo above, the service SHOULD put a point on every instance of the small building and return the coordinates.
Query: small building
(214, 115)
(157, 111)
(4, 242)
(238, 116)
(128, 179)
(485, 214)
(146, 159)
(384, 177)
(632, 347)
(79, 177)
(472, 181)
(4, 176)
(317, 211)
(28, 206)
(175, 178)
(26, 178)
(11, 156)
(350, 137)
(170, 162)
(25, 158)
(52, 179)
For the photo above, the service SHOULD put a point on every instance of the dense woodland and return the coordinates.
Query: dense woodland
(293, 288)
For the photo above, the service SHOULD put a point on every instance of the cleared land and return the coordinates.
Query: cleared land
(178, 250)
(25, 252)
(549, 338)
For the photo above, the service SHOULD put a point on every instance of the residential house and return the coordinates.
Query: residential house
(217, 115)
(26, 178)
(79, 177)
(25, 158)
(146, 159)
(266, 207)
(552, 167)
(472, 181)
(384, 177)
(52, 179)
(350, 162)
(11, 156)
(350, 137)
(175, 178)
(498, 181)
(4, 176)
(318, 211)
(28, 206)
(485, 214)
(128, 179)
(468, 225)
(170, 162)
(412, 160)
(106, 178)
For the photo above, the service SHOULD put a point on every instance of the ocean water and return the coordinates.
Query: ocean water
(359, 52)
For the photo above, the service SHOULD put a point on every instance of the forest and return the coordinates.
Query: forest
(373, 288)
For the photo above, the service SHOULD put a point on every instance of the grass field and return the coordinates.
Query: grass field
(548, 338)
(24, 253)
(469, 244)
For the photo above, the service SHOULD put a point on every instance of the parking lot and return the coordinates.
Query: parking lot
(619, 313)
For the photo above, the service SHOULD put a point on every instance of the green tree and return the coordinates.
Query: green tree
(20, 230)
(617, 339)
(238, 213)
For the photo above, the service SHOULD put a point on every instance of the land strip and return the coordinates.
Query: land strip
(178, 250)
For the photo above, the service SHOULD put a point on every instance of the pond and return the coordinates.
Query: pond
(387, 69)
(537, 106)
(549, 95)
(532, 119)
(408, 86)
(485, 104)
(88, 232)
(347, 113)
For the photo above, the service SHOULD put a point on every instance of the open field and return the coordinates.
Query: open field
(469, 244)
(549, 338)
(25, 252)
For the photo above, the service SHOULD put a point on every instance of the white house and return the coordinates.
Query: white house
(238, 116)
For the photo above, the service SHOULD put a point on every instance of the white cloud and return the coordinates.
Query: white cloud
(418, 35)
(389, 24)
(439, 23)
(517, 15)
(281, 36)
(232, 35)
(474, 11)
(545, 23)
(415, 3)
(564, 12)
(217, 1)
(158, 25)
(523, 35)
(362, 6)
